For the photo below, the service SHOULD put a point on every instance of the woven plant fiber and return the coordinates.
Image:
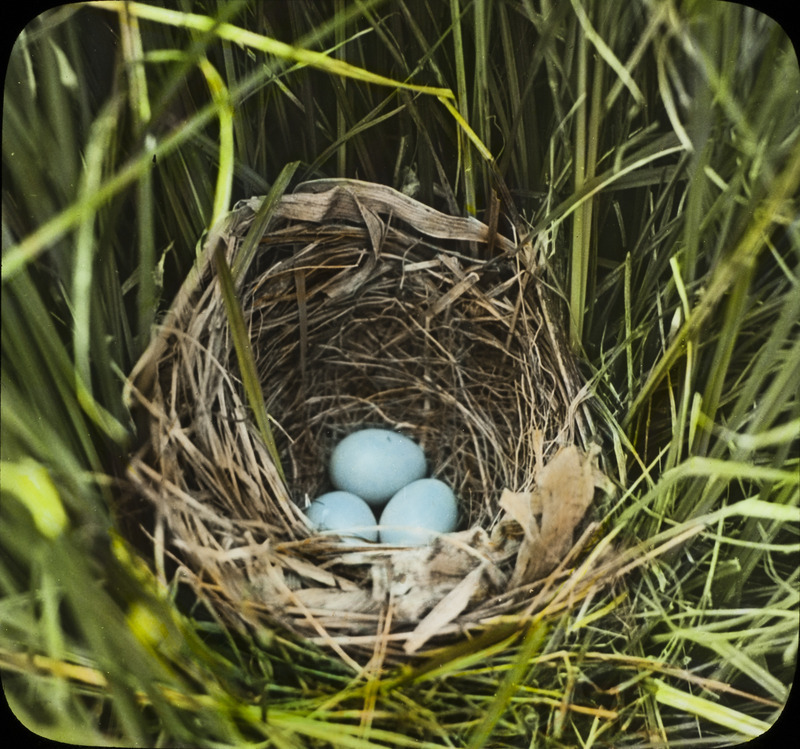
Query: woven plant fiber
(363, 308)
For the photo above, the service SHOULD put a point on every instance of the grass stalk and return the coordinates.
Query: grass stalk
(244, 355)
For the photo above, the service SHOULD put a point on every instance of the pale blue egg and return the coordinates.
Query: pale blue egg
(418, 512)
(376, 463)
(345, 514)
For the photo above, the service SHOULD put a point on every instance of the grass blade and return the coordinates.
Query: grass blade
(244, 355)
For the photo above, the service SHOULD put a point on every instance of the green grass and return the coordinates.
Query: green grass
(648, 157)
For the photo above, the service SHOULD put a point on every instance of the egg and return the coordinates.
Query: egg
(374, 464)
(418, 512)
(344, 513)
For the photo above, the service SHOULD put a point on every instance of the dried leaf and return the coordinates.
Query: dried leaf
(564, 491)
(310, 202)
(341, 602)
(375, 228)
(567, 487)
(522, 507)
(416, 580)
(469, 589)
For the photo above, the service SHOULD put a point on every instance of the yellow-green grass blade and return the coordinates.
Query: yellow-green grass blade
(222, 99)
(132, 48)
(244, 355)
(30, 483)
(468, 131)
(725, 275)
(267, 45)
(743, 724)
(249, 247)
(85, 241)
(533, 641)
(462, 103)
(57, 227)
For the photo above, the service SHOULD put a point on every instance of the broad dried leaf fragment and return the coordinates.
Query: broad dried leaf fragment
(564, 490)
(470, 588)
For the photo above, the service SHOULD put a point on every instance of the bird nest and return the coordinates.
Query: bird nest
(363, 308)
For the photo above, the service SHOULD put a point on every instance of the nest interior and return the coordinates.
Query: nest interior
(364, 308)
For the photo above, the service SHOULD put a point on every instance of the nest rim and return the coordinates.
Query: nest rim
(322, 271)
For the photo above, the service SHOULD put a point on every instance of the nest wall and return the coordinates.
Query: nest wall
(357, 317)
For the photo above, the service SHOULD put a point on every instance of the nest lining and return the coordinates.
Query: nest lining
(356, 318)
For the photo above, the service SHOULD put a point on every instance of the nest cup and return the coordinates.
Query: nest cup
(364, 308)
